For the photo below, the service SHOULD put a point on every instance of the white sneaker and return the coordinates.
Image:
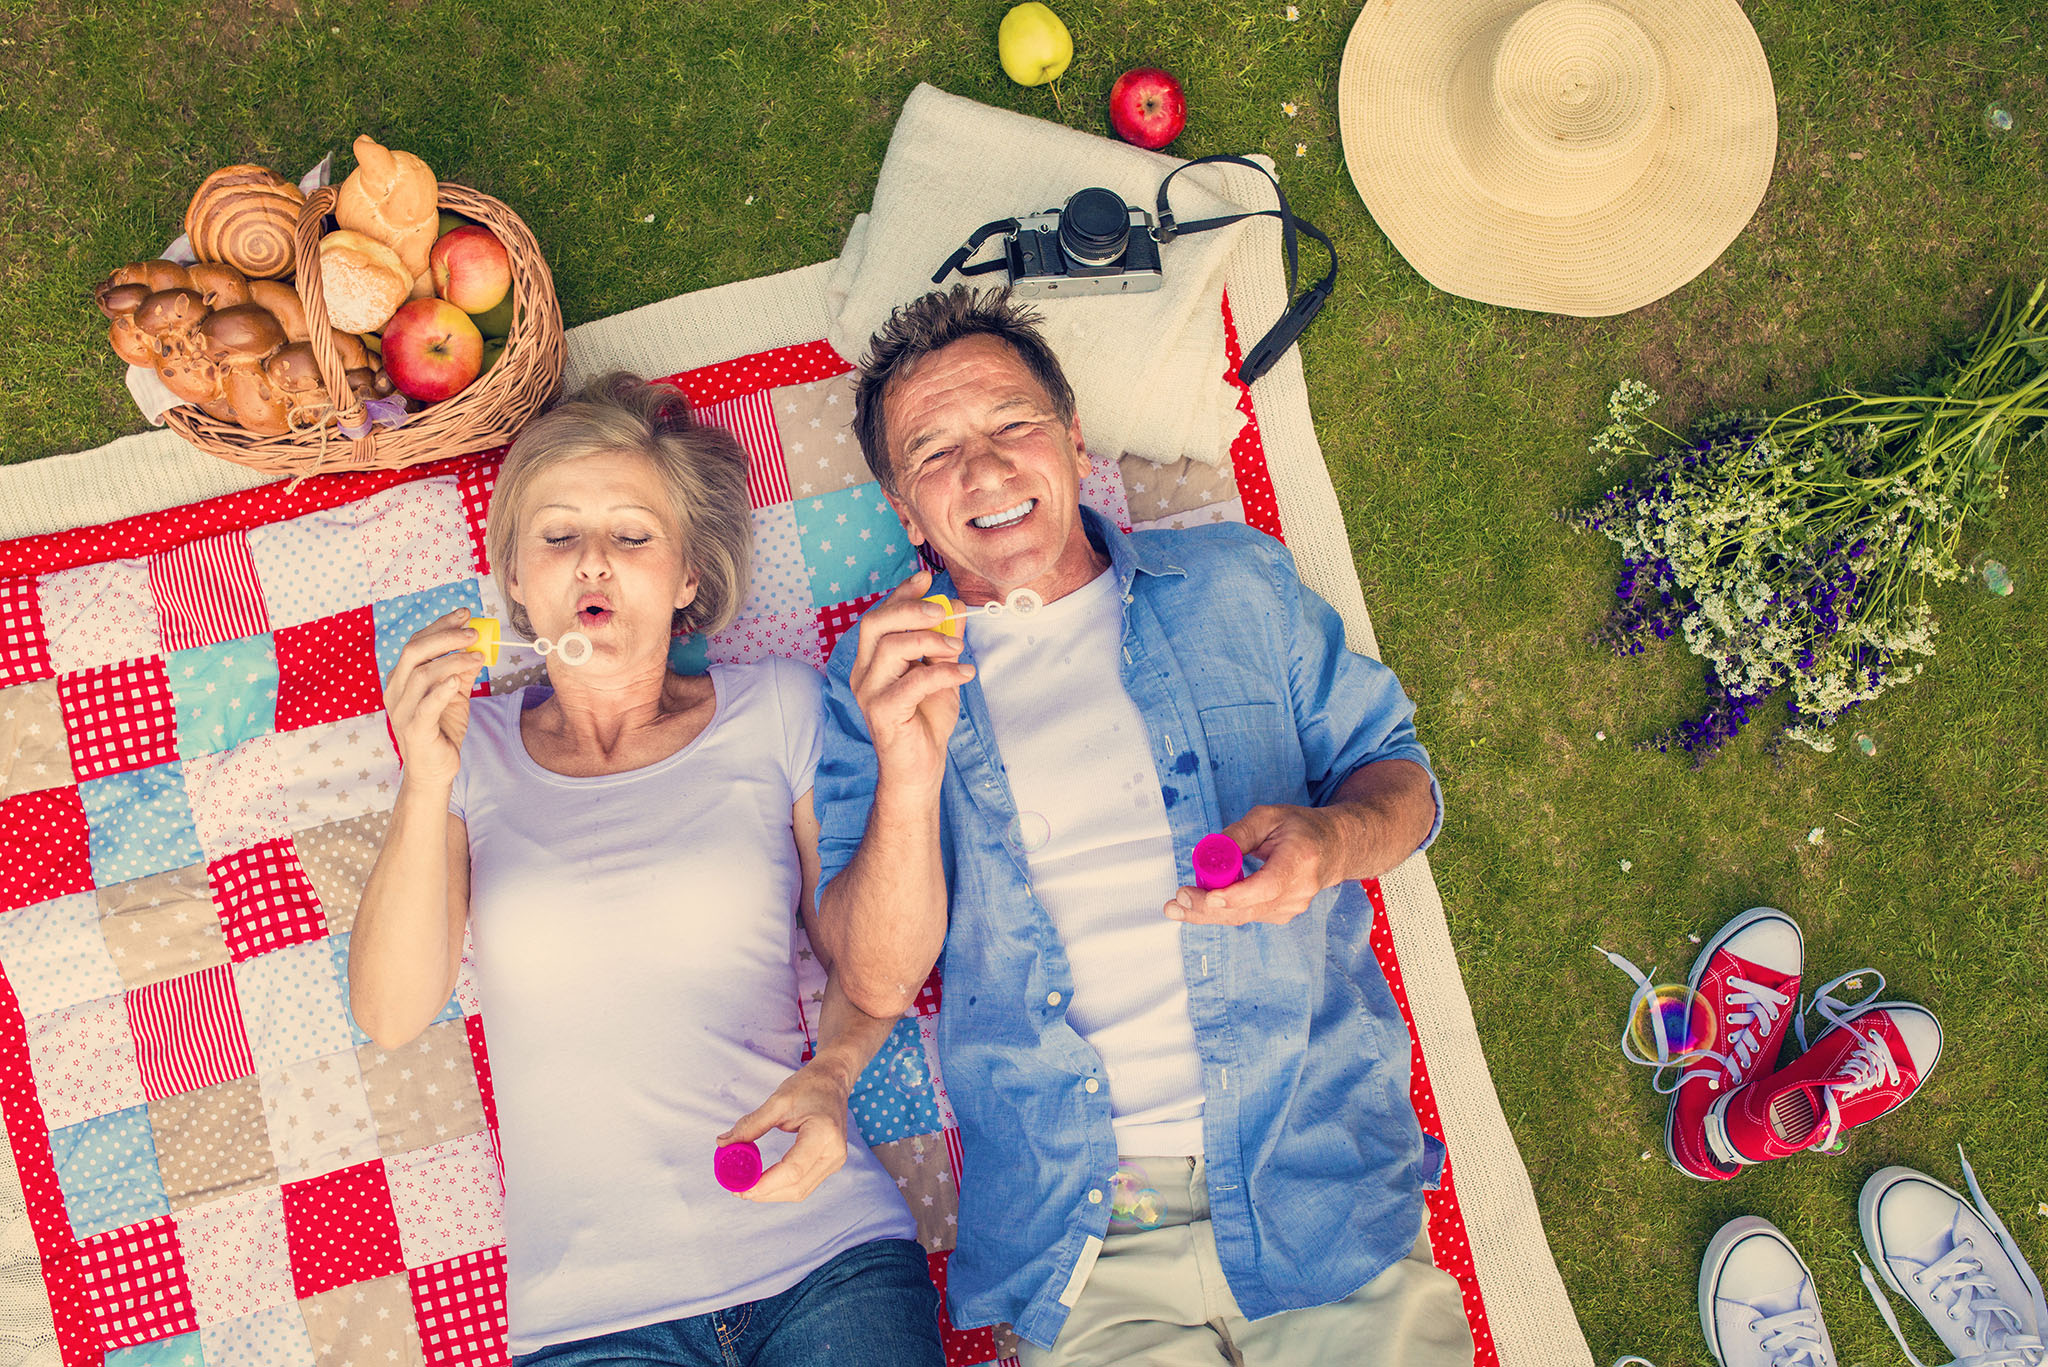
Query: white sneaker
(1757, 1303)
(1954, 1261)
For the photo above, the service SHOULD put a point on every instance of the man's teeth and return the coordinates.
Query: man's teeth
(1005, 517)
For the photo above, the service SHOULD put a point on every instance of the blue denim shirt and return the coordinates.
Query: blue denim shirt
(1316, 1164)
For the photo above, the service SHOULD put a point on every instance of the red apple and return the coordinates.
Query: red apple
(432, 350)
(470, 268)
(1147, 108)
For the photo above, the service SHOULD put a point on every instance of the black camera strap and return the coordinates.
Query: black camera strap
(1302, 311)
(957, 261)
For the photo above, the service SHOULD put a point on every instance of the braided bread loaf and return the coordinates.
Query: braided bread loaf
(245, 216)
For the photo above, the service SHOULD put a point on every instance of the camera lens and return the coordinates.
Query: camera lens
(1093, 226)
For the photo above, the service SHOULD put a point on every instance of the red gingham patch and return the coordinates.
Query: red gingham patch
(119, 717)
(963, 1346)
(207, 591)
(835, 621)
(24, 654)
(266, 900)
(460, 1307)
(189, 1033)
(135, 1283)
(1449, 1244)
(477, 480)
(341, 1229)
(752, 423)
(327, 670)
(798, 364)
(49, 847)
(928, 995)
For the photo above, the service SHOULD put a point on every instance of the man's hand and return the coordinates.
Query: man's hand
(811, 1104)
(1380, 815)
(1303, 850)
(906, 680)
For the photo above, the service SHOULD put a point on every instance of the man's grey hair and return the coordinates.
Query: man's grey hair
(935, 322)
(702, 467)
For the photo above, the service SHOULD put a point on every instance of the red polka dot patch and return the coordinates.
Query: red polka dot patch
(327, 670)
(48, 847)
(341, 1229)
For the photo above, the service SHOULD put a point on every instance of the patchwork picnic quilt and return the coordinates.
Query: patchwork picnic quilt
(220, 1167)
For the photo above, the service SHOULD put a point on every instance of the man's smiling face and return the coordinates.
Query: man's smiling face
(987, 472)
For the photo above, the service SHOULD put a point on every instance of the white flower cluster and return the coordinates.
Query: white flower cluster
(1799, 571)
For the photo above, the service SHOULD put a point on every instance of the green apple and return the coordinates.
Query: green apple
(1034, 45)
(450, 221)
(496, 322)
(494, 347)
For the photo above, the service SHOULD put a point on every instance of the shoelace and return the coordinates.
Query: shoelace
(1793, 1339)
(1754, 1005)
(1870, 1064)
(1960, 1287)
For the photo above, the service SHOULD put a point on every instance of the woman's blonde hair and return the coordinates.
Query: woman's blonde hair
(703, 468)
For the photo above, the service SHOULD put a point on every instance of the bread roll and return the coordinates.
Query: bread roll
(119, 303)
(239, 337)
(364, 281)
(171, 319)
(245, 216)
(221, 286)
(258, 406)
(284, 304)
(354, 355)
(393, 197)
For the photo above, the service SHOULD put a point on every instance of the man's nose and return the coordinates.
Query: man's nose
(985, 466)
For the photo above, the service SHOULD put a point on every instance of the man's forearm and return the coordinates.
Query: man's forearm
(1387, 810)
(848, 1036)
(884, 916)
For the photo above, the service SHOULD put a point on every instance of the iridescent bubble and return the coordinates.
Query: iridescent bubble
(1132, 1201)
(1997, 120)
(1023, 602)
(909, 1071)
(1997, 578)
(1673, 1022)
(1029, 833)
(1865, 744)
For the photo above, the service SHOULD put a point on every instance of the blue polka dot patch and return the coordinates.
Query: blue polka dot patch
(895, 1097)
(141, 823)
(106, 1167)
(398, 618)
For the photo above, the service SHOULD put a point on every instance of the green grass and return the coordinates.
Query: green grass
(1454, 432)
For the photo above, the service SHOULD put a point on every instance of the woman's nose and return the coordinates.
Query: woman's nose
(593, 563)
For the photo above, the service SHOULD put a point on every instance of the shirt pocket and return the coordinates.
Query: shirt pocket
(1255, 755)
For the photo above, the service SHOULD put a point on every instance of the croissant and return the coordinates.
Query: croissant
(245, 216)
(393, 198)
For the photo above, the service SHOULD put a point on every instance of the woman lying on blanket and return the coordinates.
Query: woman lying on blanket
(630, 847)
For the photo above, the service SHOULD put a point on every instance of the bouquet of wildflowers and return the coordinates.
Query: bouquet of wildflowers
(1793, 553)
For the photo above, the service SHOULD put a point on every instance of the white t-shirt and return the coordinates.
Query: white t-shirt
(1092, 826)
(635, 960)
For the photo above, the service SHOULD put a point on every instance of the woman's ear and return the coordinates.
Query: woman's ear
(686, 592)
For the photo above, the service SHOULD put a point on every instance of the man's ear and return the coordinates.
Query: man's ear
(907, 518)
(1082, 460)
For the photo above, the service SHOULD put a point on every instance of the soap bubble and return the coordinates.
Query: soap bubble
(1674, 1023)
(909, 1071)
(1029, 833)
(1997, 578)
(1131, 1200)
(1866, 744)
(1997, 120)
(1023, 602)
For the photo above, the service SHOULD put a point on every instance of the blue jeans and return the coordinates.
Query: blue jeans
(871, 1306)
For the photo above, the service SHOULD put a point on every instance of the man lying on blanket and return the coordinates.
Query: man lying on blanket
(1185, 1114)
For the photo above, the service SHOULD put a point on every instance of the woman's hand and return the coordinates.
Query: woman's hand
(427, 696)
(812, 1106)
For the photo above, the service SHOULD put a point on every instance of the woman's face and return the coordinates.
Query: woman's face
(599, 553)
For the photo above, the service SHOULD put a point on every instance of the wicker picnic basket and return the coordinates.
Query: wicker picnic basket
(488, 413)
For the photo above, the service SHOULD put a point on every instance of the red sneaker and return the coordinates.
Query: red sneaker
(1747, 975)
(1870, 1061)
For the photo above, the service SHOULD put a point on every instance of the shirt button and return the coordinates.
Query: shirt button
(1052, 999)
(1095, 1198)
(1092, 1085)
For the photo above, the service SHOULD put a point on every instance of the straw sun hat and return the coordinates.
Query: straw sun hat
(1568, 156)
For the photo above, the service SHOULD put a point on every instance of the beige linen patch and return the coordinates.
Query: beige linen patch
(815, 422)
(212, 1143)
(318, 1118)
(1157, 492)
(924, 1177)
(162, 926)
(369, 1322)
(33, 752)
(338, 857)
(424, 1092)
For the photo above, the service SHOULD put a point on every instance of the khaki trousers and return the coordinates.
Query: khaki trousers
(1157, 1298)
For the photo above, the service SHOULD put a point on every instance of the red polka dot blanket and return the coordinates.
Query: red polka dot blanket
(219, 1167)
